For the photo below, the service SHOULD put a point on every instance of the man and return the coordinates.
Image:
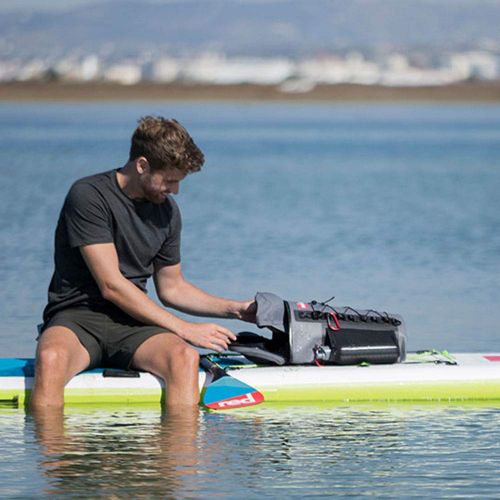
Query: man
(115, 230)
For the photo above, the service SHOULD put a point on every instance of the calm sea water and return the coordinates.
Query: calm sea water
(399, 452)
(384, 206)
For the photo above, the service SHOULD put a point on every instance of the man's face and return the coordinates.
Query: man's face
(158, 184)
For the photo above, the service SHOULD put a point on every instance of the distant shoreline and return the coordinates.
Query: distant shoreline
(145, 91)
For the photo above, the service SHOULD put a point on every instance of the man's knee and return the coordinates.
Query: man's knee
(181, 361)
(52, 358)
(185, 355)
(60, 350)
(167, 356)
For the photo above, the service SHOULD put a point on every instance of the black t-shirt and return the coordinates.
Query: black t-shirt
(96, 210)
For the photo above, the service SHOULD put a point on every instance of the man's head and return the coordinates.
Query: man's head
(166, 145)
(162, 153)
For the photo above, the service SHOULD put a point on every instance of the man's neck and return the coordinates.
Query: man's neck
(127, 179)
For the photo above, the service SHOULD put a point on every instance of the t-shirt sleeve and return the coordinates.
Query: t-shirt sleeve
(170, 252)
(86, 217)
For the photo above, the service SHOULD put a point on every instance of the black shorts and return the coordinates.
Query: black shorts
(110, 336)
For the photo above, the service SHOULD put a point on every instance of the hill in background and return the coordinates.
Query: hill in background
(262, 28)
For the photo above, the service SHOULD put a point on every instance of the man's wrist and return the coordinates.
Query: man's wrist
(177, 325)
(235, 309)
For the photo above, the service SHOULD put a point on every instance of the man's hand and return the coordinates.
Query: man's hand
(246, 311)
(207, 335)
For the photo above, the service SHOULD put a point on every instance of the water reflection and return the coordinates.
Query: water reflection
(294, 452)
(140, 453)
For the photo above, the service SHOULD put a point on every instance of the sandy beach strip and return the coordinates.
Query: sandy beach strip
(145, 91)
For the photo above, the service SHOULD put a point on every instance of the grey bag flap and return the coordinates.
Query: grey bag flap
(270, 311)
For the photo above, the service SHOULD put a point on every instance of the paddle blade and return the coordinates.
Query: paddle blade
(227, 392)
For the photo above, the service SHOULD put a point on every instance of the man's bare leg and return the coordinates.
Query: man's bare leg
(60, 356)
(176, 362)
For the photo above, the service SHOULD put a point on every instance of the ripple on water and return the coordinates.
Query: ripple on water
(298, 452)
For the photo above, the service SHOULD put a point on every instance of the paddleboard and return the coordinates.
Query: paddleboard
(424, 376)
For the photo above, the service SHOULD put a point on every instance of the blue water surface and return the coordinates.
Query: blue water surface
(386, 206)
(300, 452)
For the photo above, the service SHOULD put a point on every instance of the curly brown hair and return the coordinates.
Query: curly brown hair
(166, 144)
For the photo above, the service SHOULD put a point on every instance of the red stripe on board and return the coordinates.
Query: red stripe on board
(492, 358)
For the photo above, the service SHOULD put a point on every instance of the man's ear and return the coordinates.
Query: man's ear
(142, 165)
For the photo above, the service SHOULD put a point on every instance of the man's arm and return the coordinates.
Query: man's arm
(175, 291)
(102, 261)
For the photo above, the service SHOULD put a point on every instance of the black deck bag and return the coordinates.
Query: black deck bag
(259, 349)
(314, 332)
